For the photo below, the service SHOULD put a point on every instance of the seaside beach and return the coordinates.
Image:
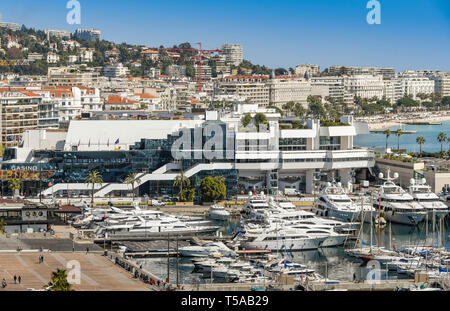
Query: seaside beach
(383, 122)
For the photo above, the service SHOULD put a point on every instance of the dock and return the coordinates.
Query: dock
(382, 285)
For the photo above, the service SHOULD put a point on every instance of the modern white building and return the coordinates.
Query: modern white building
(253, 88)
(364, 86)
(413, 84)
(57, 33)
(88, 34)
(233, 54)
(442, 84)
(115, 71)
(52, 58)
(268, 158)
(284, 89)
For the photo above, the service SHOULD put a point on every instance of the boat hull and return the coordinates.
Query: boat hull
(287, 244)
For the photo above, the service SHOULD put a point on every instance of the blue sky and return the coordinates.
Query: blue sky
(413, 34)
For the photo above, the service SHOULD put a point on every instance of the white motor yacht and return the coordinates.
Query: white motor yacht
(217, 212)
(397, 205)
(434, 206)
(334, 202)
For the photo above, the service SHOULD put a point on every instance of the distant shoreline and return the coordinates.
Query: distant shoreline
(382, 123)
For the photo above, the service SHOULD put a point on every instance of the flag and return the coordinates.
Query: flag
(107, 143)
(89, 145)
(79, 143)
(117, 141)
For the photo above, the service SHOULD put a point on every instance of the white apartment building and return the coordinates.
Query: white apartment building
(365, 86)
(116, 71)
(312, 70)
(385, 72)
(153, 72)
(413, 84)
(88, 34)
(72, 59)
(233, 54)
(284, 89)
(442, 84)
(70, 76)
(32, 57)
(57, 33)
(86, 55)
(52, 58)
(389, 90)
(253, 88)
(206, 72)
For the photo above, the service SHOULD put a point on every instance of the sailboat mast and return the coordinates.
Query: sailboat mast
(379, 222)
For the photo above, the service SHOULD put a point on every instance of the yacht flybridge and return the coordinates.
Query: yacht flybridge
(434, 206)
(397, 205)
(334, 202)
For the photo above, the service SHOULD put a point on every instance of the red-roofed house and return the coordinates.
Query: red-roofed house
(117, 102)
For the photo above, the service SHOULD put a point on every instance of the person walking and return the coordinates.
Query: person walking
(4, 283)
(19, 279)
(15, 279)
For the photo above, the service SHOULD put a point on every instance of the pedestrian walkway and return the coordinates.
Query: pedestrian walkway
(97, 273)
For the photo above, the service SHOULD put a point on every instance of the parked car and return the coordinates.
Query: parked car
(157, 203)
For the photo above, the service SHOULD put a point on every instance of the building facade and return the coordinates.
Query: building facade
(268, 158)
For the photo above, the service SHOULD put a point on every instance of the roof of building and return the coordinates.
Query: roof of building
(128, 132)
(117, 99)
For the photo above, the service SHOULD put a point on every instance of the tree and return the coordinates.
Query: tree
(132, 179)
(399, 133)
(187, 195)
(59, 281)
(213, 189)
(2, 226)
(442, 138)
(299, 110)
(246, 120)
(260, 118)
(315, 106)
(93, 178)
(289, 106)
(420, 140)
(15, 184)
(387, 133)
(180, 181)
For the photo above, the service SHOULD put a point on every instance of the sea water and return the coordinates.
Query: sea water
(408, 141)
(331, 262)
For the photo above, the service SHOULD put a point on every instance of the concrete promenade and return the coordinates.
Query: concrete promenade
(97, 272)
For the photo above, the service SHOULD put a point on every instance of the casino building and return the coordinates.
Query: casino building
(269, 157)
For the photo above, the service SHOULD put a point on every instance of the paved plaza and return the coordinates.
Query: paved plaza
(97, 272)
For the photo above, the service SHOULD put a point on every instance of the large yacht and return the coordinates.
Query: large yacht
(434, 206)
(397, 205)
(287, 239)
(254, 205)
(334, 202)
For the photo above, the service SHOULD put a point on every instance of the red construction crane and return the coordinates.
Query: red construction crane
(198, 58)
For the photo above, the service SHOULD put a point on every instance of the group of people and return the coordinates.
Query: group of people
(17, 279)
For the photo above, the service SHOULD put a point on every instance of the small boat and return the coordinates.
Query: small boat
(218, 213)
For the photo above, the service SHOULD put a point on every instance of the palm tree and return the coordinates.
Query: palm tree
(181, 181)
(15, 184)
(399, 133)
(132, 179)
(420, 140)
(387, 133)
(93, 178)
(442, 138)
(59, 281)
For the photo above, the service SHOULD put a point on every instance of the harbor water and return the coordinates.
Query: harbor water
(408, 141)
(332, 263)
